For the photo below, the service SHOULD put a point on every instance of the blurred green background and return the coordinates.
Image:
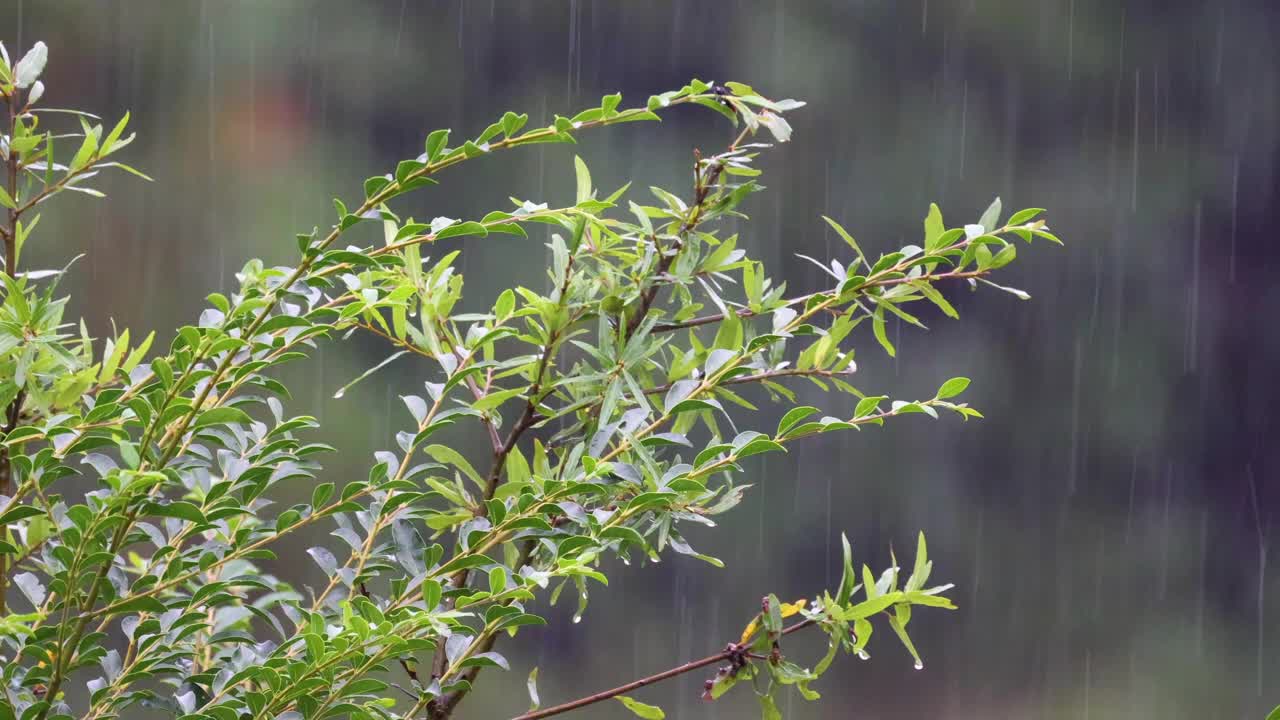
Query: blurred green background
(1107, 525)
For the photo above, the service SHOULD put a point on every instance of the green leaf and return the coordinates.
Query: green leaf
(773, 618)
(112, 361)
(321, 494)
(869, 583)
(875, 605)
(952, 387)
(933, 227)
(179, 509)
(462, 562)
(793, 417)
(505, 304)
(901, 632)
(463, 229)
(512, 122)
(497, 580)
(878, 328)
(532, 685)
(758, 446)
(768, 709)
(848, 580)
(220, 416)
(639, 709)
(496, 398)
(991, 218)
(868, 405)
(20, 512)
(1022, 217)
(584, 179)
(1004, 257)
(138, 604)
(138, 353)
(444, 454)
(936, 298)
(115, 134)
(435, 144)
(920, 572)
(844, 235)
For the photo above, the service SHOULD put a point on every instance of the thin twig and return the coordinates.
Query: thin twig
(443, 707)
(701, 189)
(14, 411)
(729, 652)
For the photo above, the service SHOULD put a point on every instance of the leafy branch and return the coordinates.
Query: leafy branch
(846, 623)
(602, 398)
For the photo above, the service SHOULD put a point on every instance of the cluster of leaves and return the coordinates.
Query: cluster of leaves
(135, 513)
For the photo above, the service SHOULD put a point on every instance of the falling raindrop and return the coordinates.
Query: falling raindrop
(400, 26)
(1088, 682)
(1098, 574)
(964, 124)
(1262, 570)
(1073, 460)
(1235, 196)
(975, 580)
(1133, 488)
(827, 563)
(253, 93)
(1200, 590)
(462, 8)
(1137, 88)
(1217, 65)
(1166, 531)
(1191, 348)
(1071, 39)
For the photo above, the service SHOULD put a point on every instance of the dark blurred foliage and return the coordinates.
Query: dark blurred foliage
(1107, 523)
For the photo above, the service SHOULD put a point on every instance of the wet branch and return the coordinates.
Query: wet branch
(14, 412)
(732, 652)
(443, 707)
(702, 186)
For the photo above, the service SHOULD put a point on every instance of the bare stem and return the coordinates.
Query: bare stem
(14, 411)
(728, 653)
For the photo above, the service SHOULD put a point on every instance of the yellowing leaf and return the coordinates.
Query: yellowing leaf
(788, 609)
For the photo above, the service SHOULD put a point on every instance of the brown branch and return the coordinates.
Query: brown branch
(14, 411)
(702, 187)
(447, 704)
(443, 707)
(731, 651)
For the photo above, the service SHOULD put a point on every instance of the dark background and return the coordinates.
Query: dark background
(1101, 523)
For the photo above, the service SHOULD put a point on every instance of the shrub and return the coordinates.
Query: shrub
(136, 530)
